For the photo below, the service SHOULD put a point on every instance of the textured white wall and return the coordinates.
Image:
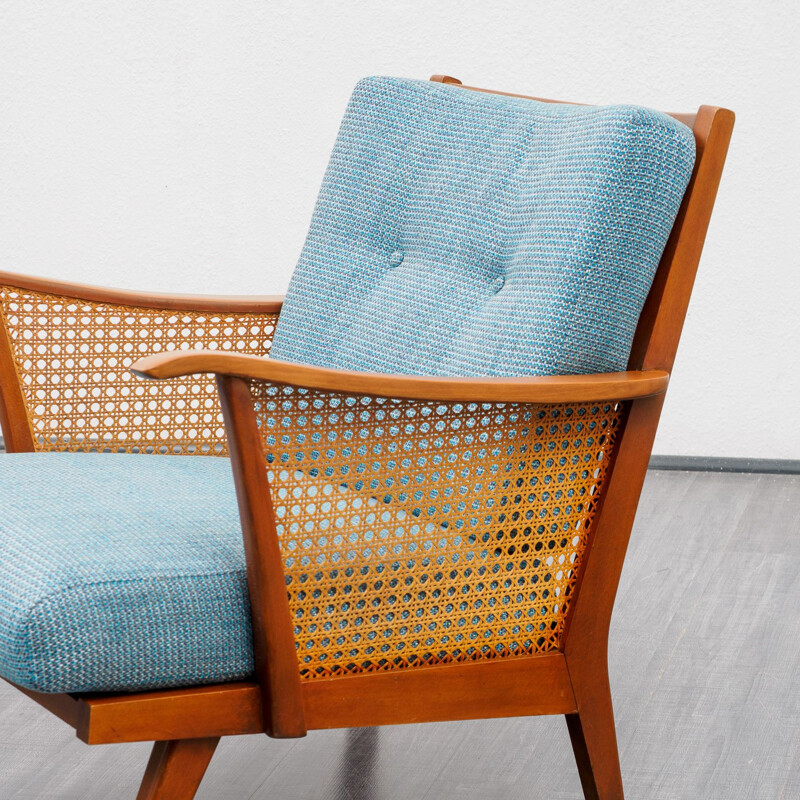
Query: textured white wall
(179, 146)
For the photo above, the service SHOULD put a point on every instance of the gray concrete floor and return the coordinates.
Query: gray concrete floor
(705, 671)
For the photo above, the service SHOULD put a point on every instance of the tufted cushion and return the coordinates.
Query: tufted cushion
(120, 572)
(461, 233)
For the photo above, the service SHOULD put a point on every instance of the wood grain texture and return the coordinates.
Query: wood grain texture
(591, 732)
(518, 686)
(17, 434)
(661, 322)
(273, 637)
(533, 389)
(445, 79)
(225, 710)
(176, 768)
(507, 687)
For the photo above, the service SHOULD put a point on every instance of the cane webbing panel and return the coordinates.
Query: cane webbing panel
(419, 532)
(72, 358)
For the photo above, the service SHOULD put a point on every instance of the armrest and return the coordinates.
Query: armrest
(433, 487)
(232, 304)
(65, 350)
(534, 389)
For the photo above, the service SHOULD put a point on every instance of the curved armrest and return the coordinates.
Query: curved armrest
(232, 304)
(529, 389)
(336, 467)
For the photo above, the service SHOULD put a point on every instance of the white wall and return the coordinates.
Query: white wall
(179, 146)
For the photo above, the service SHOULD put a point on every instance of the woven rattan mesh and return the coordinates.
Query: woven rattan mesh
(420, 533)
(72, 358)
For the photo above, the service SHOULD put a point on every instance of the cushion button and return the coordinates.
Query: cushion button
(396, 258)
(498, 283)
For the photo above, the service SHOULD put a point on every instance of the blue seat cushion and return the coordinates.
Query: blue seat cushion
(121, 572)
(464, 233)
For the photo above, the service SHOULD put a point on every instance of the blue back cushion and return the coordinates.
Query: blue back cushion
(462, 233)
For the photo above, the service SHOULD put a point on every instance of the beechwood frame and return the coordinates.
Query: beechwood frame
(186, 723)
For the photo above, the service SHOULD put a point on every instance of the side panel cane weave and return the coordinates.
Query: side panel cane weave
(419, 532)
(72, 358)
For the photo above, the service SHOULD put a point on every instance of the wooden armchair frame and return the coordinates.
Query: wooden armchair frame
(571, 679)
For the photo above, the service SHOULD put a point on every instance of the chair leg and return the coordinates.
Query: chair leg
(176, 768)
(594, 741)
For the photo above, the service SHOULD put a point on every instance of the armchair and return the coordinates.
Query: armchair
(434, 523)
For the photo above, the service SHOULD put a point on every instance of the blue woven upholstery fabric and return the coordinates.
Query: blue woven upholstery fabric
(120, 572)
(461, 233)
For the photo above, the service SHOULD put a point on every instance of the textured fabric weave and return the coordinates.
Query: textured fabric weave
(456, 233)
(461, 233)
(120, 572)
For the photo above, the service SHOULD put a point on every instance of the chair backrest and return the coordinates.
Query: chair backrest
(469, 233)
(378, 449)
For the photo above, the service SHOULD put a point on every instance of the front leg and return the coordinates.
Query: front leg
(176, 768)
(594, 736)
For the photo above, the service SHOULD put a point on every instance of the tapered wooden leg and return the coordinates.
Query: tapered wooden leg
(176, 768)
(594, 740)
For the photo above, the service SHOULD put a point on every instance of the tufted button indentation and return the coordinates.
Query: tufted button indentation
(396, 258)
(498, 283)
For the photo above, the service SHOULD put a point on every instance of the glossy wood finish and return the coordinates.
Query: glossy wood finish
(592, 729)
(659, 330)
(575, 682)
(257, 304)
(176, 768)
(594, 744)
(445, 79)
(17, 434)
(273, 636)
(501, 688)
(229, 709)
(474, 690)
(534, 389)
